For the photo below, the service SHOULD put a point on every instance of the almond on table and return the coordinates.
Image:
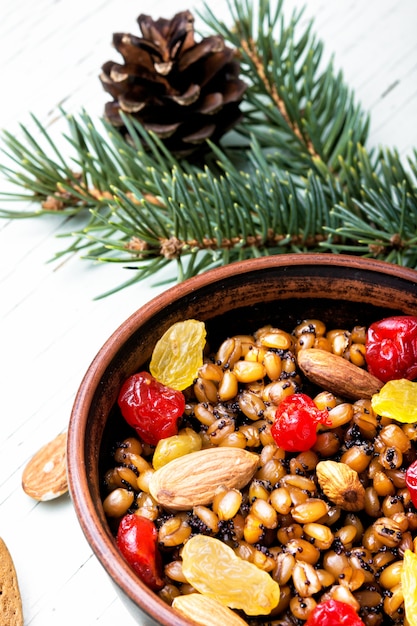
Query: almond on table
(45, 476)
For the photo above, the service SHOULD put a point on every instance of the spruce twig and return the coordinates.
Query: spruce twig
(298, 177)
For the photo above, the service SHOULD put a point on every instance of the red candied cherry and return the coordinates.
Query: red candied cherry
(334, 613)
(295, 425)
(391, 348)
(153, 409)
(137, 540)
(411, 482)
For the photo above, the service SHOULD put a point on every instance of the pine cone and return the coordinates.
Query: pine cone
(182, 90)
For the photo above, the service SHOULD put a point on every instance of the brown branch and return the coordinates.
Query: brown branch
(173, 247)
(84, 196)
(250, 48)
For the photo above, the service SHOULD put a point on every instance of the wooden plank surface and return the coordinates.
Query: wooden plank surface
(51, 327)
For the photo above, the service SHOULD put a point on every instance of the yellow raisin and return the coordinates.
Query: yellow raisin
(408, 581)
(214, 570)
(173, 447)
(178, 354)
(397, 400)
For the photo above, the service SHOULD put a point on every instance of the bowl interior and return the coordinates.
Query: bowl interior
(341, 291)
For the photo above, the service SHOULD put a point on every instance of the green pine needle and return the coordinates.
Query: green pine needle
(294, 175)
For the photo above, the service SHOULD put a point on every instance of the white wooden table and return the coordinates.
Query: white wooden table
(51, 52)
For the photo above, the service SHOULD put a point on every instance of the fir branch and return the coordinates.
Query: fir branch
(239, 214)
(302, 180)
(189, 219)
(306, 109)
(384, 225)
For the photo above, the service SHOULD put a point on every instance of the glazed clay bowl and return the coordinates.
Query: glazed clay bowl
(340, 290)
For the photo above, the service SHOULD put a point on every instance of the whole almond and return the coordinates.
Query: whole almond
(45, 476)
(193, 479)
(206, 611)
(338, 375)
(11, 613)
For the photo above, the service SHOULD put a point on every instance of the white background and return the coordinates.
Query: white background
(51, 52)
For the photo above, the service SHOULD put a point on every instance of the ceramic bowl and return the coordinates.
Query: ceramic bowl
(340, 290)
